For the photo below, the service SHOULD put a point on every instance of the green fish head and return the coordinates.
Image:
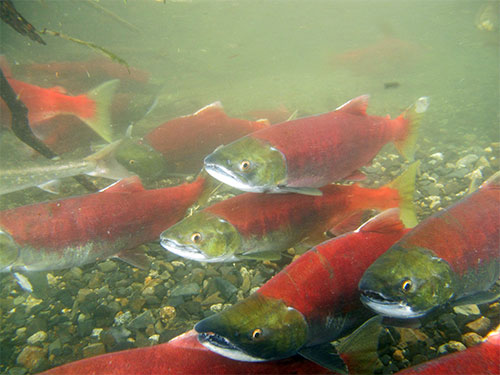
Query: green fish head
(248, 164)
(141, 158)
(407, 283)
(203, 237)
(256, 329)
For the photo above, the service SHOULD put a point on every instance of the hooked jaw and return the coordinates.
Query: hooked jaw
(387, 307)
(191, 252)
(222, 346)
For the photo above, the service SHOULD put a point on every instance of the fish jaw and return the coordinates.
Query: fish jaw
(257, 329)
(222, 346)
(192, 252)
(385, 307)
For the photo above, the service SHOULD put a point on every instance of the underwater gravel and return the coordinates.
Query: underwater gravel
(111, 306)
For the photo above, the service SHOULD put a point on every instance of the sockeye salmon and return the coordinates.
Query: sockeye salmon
(312, 301)
(80, 230)
(184, 141)
(181, 355)
(261, 226)
(304, 154)
(24, 174)
(93, 108)
(452, 255)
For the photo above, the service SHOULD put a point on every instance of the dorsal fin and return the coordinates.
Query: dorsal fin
(129, 185)
(215, 107)
(356, 106)
(385, 222)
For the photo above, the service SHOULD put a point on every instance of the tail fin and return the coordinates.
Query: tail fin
(359, 349)
(405, 185)
(406, 145)
(101, 121)
(106, 164)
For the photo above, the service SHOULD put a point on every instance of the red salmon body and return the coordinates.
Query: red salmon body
(80, 230)
(323, 283)
(259, 214)
(181, 355)
(185, 141)
(332, 146)
(44, 103)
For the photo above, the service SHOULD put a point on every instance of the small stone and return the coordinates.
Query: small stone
(217, 308)
(31, 357)
(20, 332)
(212, 299)
(185, 290)
(467, 310)
(197, 275)
(493, 310)
(92, 350)
(142, 320)
(455, 346)
(17, 371)
(85, 325)
(19, 300)
(55, 348)
(398, 355)
(96, 333)
(227, 290)
(37, 337)
(467, 161)
(74, 273)
(107, 266)
(167, 313)
(471, 339)
(137, 303)
(154, 339)
(82, 294)
(437, 156)
(246, 281)
(123, 317)
(481, 326)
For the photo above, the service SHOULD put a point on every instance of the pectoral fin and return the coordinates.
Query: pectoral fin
(486, 296)
(325, 355)
(300, 190)
(261, 255)
(135, 257)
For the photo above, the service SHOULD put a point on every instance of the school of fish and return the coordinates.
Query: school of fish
(289, 184)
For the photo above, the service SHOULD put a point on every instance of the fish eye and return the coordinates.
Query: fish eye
(196, 237)
(131, 161)
(406, 285)
(245, 165)
(256, 333)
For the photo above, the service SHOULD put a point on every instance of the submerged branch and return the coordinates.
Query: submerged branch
(90, 45)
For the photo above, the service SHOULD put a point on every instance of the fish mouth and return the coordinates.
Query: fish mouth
(222, 346)
(388, 307)
(228, 177)
(190, 252)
